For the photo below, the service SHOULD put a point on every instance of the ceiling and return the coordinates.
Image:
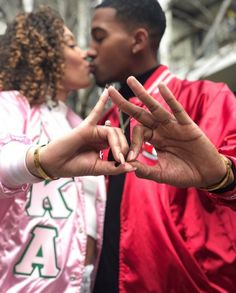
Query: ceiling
(226, 75)
(194, 8)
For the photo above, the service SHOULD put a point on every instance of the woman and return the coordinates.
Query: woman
(43, 239)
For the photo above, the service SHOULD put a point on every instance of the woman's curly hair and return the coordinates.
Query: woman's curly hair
(31, 55)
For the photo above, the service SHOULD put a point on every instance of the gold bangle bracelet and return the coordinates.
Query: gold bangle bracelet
(38, 166)
(224, 181)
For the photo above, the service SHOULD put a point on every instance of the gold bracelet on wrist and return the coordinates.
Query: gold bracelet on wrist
(38, 166)
(224, 181)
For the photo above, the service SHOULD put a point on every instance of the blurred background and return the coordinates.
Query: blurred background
(199, 43)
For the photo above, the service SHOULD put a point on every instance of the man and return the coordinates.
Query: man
(176, 236)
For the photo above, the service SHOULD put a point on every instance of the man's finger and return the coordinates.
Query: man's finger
(176, 108)
(161, 114)
(138, 113)
(147, 172)
(140, 134)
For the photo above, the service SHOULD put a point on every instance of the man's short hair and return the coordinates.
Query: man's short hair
(135, 13)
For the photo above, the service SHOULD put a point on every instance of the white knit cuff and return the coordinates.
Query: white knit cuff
(13, 169)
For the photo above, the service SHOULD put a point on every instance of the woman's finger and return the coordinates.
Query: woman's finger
(97, 112)
(118, 143)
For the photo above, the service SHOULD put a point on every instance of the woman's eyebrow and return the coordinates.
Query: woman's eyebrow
(69, 37)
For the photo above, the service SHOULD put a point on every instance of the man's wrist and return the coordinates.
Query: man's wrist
(226, 180)
(231, 184)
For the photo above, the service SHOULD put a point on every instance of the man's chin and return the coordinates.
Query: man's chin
(101, 83)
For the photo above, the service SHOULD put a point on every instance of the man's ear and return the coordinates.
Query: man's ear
(140, 40)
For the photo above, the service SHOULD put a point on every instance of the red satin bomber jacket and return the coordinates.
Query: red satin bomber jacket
(180, 240)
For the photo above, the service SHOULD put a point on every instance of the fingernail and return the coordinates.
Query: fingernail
(122, 159)
(130, 156)
(131, 169)
(105, 95)
(107, 85)
(105, 91)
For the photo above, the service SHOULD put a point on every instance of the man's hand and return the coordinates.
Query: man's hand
(186, 157)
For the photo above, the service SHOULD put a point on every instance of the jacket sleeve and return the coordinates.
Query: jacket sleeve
(15, 178)
(218, 121)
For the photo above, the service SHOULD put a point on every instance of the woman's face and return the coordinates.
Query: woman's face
(76, 72)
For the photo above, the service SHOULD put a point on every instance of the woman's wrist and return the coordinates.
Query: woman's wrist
(34, 164)
(29, 160)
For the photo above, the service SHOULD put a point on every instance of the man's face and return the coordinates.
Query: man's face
(110, 48)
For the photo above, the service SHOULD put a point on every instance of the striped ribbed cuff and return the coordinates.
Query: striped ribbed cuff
(13, 169)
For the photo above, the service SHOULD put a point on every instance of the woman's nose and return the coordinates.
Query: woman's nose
(91, 52)
(84, 54)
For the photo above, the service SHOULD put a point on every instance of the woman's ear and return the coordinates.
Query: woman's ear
(140, 37)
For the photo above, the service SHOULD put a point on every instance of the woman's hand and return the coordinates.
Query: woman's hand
(78, 153)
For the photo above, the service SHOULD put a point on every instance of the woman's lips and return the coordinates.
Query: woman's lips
(92, 68)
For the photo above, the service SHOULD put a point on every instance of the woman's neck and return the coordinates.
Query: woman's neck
(62, 96)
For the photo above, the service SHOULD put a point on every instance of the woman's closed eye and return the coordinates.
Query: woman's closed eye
(72, 46)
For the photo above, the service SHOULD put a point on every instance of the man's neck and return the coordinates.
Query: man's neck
(127, 92)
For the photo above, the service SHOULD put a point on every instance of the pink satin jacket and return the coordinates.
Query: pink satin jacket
(42, 226)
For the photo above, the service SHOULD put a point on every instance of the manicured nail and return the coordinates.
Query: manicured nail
(105, 91)
(131, 169)
(122, 159)
(107, 85)
(130, 156)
